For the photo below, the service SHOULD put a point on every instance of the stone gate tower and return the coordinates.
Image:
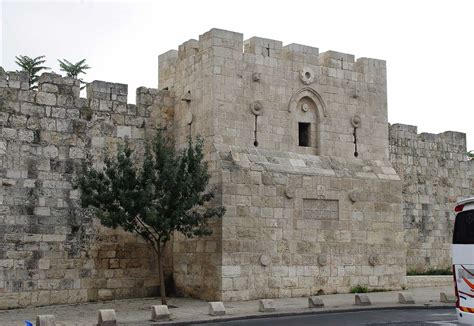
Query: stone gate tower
(297, 143)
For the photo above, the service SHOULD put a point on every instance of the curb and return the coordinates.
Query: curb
(311, 311)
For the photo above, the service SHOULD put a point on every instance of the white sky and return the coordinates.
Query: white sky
(428, 45)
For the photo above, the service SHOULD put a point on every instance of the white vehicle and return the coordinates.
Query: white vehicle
(463, 260)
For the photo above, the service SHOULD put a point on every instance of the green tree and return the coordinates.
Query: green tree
(33, 67)
(165, 193)
(470, 155)
(74, 69)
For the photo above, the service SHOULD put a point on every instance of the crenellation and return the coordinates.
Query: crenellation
(338, 60)
(299, 153)
(188, 49)
(221, 38)
(263, 46)
(62, 86)
(167, 69)
(45, 135)
(14, 79)
(435, 173)
(107, 91)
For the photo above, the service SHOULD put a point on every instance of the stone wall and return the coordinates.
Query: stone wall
(296, 223)
(435, 174)
(320, 195)
(51, 251)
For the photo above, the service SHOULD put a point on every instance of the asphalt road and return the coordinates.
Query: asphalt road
(409, 317)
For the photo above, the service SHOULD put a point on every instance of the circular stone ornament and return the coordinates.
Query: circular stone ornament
(305, 107)
(289, 193)
(188, 118)
(256, 108)
(373, 260)
(265, 260)
(307, 75)
(354, 196)
(322, 260)
(356, 121)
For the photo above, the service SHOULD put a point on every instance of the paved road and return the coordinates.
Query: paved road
(409, 317)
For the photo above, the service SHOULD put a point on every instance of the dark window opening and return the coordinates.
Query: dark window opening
(464, 228)
(304, 132)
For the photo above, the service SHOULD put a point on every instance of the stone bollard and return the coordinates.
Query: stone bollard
(447, 298)
(107, 318)
(216, 309)
(405, 298)
(315, 302)
(160, 312)
(45, 320)
(266, 305)
(362, 300)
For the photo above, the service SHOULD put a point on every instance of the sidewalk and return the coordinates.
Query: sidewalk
(185, 310)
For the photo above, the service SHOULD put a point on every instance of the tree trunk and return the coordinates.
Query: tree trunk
(160, 271)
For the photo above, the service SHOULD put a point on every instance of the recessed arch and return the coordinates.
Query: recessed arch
(312, 94)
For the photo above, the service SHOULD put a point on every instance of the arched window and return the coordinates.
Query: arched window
(306, 112)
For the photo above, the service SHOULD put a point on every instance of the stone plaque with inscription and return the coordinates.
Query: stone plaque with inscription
(321, 209)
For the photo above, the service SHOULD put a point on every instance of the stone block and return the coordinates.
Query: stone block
(216, 309)
(446, 298)
(107, 318)
(315, 302)
(266, 305)
(362, 300)
(160, 312)
(124, 131)
(46, 98)
(45, 320)
(105, 294)
(405, 298)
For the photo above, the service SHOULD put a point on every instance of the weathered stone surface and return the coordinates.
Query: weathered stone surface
(45, 98)
(107, 318)
(315, 302)
(45, 320)
(435, 174)
(304, 215)
(70, 256)
(405, 298)
(362, 300)
(216, 308)
(447, 298)
(160, 312)
(266, 305)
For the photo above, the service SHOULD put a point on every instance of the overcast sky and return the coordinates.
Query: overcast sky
(427, 44)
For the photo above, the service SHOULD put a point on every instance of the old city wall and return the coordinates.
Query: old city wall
(300, 219)
(305, 214)
(435, 174)
(51, 251)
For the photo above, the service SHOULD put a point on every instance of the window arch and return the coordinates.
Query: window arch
(307, 109)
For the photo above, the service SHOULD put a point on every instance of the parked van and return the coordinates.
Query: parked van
(463, 260)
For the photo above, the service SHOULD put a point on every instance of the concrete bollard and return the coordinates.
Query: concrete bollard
(160, 312)
(107, 318)
(45, 320)
(447, 298)
(315, 302)
(405, 298)
(362, 300)
(216, 309)
(266, 305)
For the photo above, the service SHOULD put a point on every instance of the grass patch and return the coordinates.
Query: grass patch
(431, 271)
(379, 290)
(359, 289)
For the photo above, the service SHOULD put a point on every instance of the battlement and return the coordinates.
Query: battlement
(410, 132)
(222, 41)
(14, 79)
(56, 107)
